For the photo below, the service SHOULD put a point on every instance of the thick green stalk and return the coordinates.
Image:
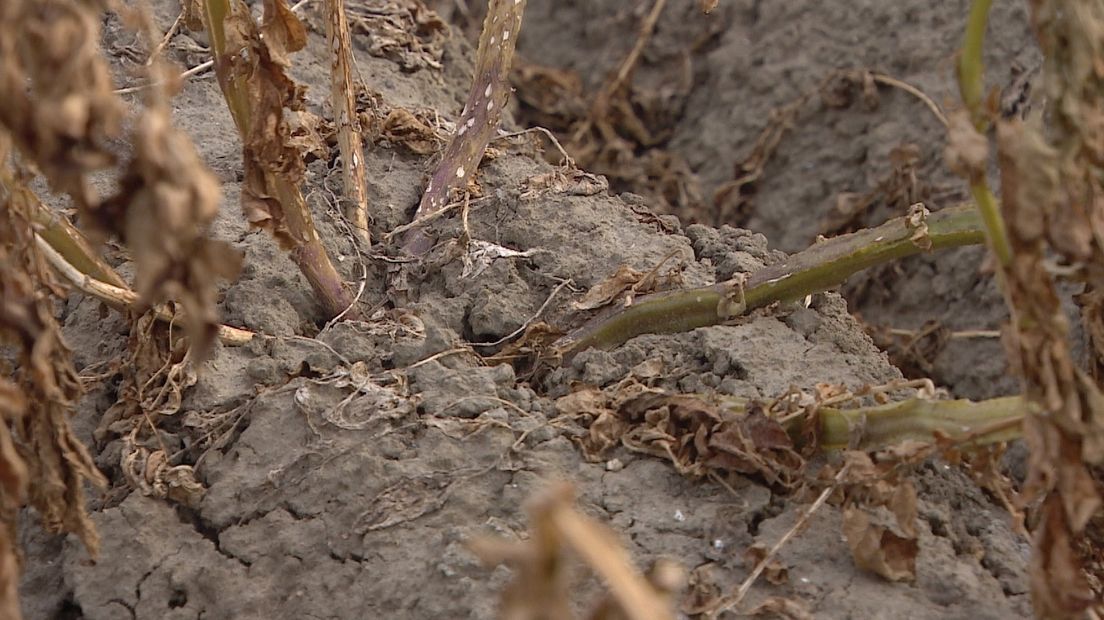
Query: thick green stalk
(873, 428)
(819, 268)
(985, 422)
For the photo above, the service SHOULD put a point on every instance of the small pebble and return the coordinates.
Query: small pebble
(614, 465)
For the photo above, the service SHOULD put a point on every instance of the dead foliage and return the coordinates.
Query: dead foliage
(62, 114)
(37, 402)
(412, 129)
(13, 495)
(626, 283)
(157, 371)
(541, 588)
(1050, 204)
(58, 105)
(480, 118)
(404, 31)
(697, 437)
(779, 607)
(880, 513)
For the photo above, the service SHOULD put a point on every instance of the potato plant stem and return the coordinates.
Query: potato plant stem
(61, 234)
(983, 422)
(971, 85)
(974, 423)
(819, 268)
(234, 77)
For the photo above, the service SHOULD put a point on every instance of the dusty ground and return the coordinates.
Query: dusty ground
(318, 512)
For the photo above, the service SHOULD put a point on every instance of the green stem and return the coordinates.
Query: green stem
(872, 428)
(971, 71)
(971, 86)
(819, 268)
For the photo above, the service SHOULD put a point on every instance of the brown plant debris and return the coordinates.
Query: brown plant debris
(1050, 182)
(58, 103)
(413, 130)
(158, 370)
(57, 464)
(541, 587)
(879, 516)
(13, 495)
(405, 31)
(626, 283)
(480, 118)
(697, 437)
(63, 121)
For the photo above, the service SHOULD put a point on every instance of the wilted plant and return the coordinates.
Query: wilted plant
(250, 63)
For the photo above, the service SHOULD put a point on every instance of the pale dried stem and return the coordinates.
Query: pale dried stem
(122, 298)
(343, 99)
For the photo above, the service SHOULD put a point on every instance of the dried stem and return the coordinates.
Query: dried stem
(819, 268)
(60, 232)
(343, 99)
(478, 122)
(121, 297)
(256, 90)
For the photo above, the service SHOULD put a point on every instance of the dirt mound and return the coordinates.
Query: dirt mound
(345, 472)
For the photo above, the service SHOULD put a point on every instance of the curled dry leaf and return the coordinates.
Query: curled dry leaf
(149, 471)
(880, 512)
(158, 370)
(625, 284)
(698, 438)
(775, 572)
(411, 130)
(480, 118)
(573, 182)
(784, 608)
(877, 548)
